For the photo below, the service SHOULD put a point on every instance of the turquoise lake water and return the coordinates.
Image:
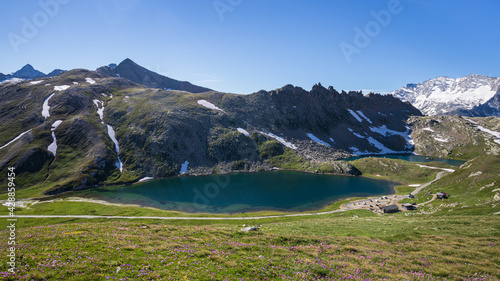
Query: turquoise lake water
(247, 192)
(243, 192)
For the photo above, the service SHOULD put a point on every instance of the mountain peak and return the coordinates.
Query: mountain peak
(132, 71)
(128, 61)
(28, 72)
(27, 67)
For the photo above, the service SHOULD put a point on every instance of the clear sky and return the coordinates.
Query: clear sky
(242, 46)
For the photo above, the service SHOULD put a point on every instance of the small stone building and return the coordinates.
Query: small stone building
(390, 209)
(442, 195)
(410, 207)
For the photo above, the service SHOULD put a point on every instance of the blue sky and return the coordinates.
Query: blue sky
(242, 46)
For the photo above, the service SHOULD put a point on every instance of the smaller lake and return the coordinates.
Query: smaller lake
(243, 192)
(412, 158)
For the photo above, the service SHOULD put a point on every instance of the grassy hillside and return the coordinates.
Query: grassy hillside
(365, 247)
(397, 170)
(474, 188)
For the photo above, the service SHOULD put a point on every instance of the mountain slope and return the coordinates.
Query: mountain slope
(138, 74)
(450, 96)
(455, 137)
(81, 129)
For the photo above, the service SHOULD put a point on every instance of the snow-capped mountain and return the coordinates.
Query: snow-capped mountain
(444, 95)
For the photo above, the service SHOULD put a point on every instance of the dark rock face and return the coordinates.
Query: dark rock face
(138, 74)
(71, 102)
(32, 160)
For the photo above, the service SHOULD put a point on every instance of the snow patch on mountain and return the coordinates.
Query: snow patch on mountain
(15, 139)
(100, 108)
(280, 139)
(46, 107)
(208, 104)
(56, 124)
(112, 135)
(243, 131)
(61, 88)
(53, 146)
(355, 115)
(356, 134)
(364, 116)
(382, 148)
(316, 139)
(493, 133)
(441, 139)
(90, 80)
(384, 131)
(12, 81)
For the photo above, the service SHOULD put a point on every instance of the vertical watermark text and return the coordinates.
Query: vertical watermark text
(11, 205)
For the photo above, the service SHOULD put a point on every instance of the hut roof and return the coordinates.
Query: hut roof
(389, 208)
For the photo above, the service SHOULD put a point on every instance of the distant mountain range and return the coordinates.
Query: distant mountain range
(474, 95)
(138, 74)
(27, 72)
(126, 69)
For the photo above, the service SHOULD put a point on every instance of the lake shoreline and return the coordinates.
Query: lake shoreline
(275, 191)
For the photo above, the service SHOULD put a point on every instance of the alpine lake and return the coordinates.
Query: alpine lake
(288, 191)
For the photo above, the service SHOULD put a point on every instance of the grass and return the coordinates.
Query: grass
(362, 248)
(397, 170)
(473, 188)
(59, 206)
(290, 160)
(432, 243)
